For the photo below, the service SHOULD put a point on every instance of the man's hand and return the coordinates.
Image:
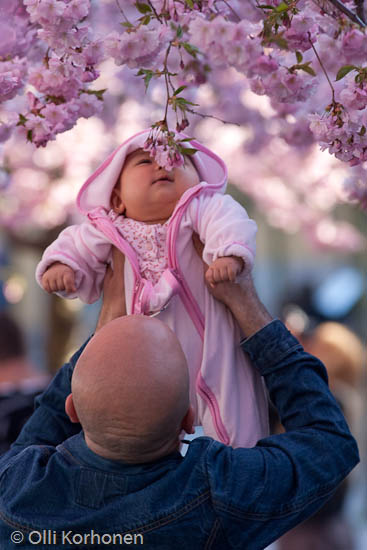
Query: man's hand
(59, 277)
(240, 298)
(113, 305)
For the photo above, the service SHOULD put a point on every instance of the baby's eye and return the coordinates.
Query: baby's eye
(144, 161)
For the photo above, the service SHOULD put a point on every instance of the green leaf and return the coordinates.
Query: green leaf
(183, 101)
(192, 50)
(343, 71)
(22, 120)
(179, 90)
(97, 93)
(29, 135)
(127, 24)
(279, 41)
(190, 3)
(143, 8)
(145, 20)
(148, 75)
(306, 67)
(282, 7)
(179, 31)
(299, 57)
(188, 151)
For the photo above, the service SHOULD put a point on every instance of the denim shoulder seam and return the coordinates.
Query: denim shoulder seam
(213, 534)
(165, 520)
(68, 455)
(268, 370)
(271, 514)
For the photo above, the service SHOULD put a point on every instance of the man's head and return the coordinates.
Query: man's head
(147, 192)
(130, 390)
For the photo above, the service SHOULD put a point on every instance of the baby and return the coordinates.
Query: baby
(148, 194)
(150, 214)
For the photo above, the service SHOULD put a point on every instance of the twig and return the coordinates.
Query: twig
(323, 68)
(122, 11)
(154, 11)
(360, 9)
(232, 10)
(349, 13)
(166, 79)
(211, 116)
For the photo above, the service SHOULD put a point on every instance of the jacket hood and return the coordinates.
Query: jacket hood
(97, 190)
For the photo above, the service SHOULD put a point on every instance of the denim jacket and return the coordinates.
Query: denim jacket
(56, 493)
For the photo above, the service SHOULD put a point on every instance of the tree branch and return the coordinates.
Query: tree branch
(359, 19)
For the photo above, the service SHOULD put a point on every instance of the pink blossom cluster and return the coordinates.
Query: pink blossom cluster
(354, 46)
(138, 47)
(177, 9)
(69, 64)
(12, 78)
(164, 148)
(302, 32)
(227, 43)
(354, 95)
(284, 86)
(343, 135)
(47, 120)
(16, 39)
(239, 45)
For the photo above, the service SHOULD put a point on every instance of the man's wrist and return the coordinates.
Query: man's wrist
(249, 312)
(108, 314)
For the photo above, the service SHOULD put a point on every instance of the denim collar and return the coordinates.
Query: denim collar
(76, 450)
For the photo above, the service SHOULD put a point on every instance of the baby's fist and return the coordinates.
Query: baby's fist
(224, 269)
(59, 277)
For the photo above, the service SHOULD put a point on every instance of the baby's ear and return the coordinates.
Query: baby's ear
(116, 203)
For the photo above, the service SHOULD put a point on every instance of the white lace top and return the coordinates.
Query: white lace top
(149, 243)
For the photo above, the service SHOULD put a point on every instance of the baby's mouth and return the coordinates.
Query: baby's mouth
(163, 179)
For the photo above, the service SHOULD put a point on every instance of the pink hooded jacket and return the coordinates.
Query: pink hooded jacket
(226, 392)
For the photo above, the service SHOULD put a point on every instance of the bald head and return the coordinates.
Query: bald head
(130, 389)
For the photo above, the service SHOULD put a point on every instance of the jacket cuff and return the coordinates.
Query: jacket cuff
(268, 347)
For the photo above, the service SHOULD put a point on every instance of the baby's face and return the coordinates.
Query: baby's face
(149, 193)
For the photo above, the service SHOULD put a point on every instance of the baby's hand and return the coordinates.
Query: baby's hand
(224, 269)
(59, 277)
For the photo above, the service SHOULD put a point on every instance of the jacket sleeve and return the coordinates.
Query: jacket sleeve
(262, 492)
(85, 249)
(49, 423)
(224, 227)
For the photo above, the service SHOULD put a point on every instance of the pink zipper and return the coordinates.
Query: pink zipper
(197, 318)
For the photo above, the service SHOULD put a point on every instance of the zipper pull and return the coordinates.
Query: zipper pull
(160, 311)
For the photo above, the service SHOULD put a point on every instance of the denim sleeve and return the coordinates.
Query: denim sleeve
(49, 424)
(260, 493)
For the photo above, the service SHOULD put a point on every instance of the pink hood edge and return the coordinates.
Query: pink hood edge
(97, 189)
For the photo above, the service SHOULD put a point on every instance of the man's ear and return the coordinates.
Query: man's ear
(188, 421)
(116, 203)
(70, 409)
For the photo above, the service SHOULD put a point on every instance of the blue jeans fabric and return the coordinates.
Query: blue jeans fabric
(216, 497)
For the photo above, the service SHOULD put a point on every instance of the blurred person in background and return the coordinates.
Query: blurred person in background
(342, 353)
(19, 382)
